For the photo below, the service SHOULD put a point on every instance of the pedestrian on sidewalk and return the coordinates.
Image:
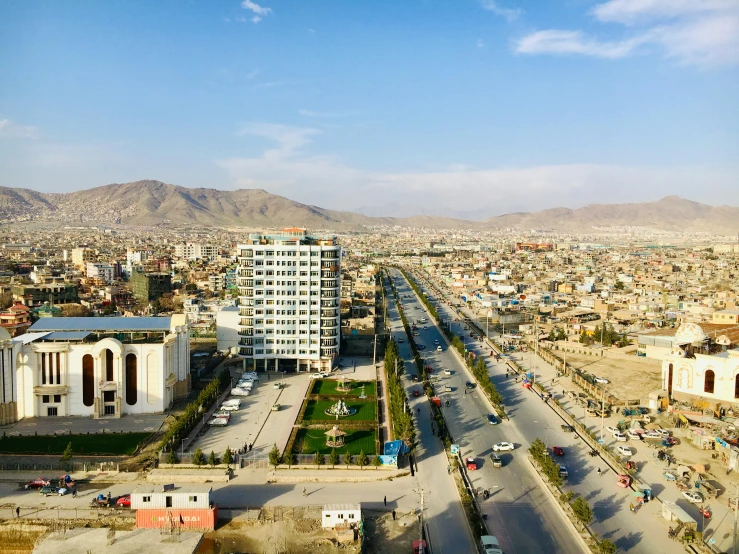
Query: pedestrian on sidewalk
(304, 493)
(384, 500)
(18, 510)
(393, 515)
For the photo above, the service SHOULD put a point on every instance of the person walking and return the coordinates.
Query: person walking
(393, 515)
(18, 511)
(304, 492)
(599, 472)
(384, 501)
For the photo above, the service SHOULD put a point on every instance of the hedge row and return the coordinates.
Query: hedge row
(187, 420)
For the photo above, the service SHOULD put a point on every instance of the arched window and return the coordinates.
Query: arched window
(131, 379)
(736, 386)
(88, 380)
(108, 364)
(708, 383)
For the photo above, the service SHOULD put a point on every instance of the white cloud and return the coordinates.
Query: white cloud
(10, 129)
(256, 9)
(290, 169)
(480, 43)
(702, 33)
(575, 42)
(507, 13)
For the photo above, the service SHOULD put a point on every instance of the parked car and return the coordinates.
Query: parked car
(664, 433)
(563, 472)
(567, 428)
(619, 436)
(318, 375)
(37, 483)
(447, 372)
(416, 393)
(492, 420)
(238, 391)
(693, 497)
(624, 451)
(611, 429)
(124, 500)
(652, 435)
(601, 380)
(558, 451)
(503, 446)
(231, 405)
(218, 422)
(469, 385)
(490, 545)
(634, 434)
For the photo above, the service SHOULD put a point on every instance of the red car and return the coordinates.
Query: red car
(38, 483)
(471, 464)
(558, 451)
(124, 500)
(416, 393)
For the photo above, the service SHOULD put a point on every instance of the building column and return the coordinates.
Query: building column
(277, 365)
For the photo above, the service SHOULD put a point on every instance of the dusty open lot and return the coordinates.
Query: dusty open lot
(628, 379)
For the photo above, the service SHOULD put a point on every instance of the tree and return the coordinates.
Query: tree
(212, 459)
(274, 456)
(75, 310)
(619, 286)
(198, 458)
(172, 457)
(376, 461)
(227, 457)
(538, 450)
(68, 453)
(333, 458)
(6, 300)
(347, 459)
(362, 459)
(318, 459)
(583, 511)
(289, 458)
(604, 546)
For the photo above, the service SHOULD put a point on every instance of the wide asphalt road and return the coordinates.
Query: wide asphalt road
(520, 513)
(644, 532)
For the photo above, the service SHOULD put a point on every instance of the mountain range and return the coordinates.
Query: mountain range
(151, 202)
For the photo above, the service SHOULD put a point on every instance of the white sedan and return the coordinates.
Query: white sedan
(231, 405)
(652, 435)
(218, 422)
(602, 380)
(634, 434)
(624, 451)
(502, 446)
(619, 436)
(447, 372)
(611, 429)
(664, 433)
(238, 391)
(693, 497)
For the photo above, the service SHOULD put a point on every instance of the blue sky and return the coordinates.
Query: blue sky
(458, 107)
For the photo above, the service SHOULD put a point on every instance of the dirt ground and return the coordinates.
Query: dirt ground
(385, 536)
(302, 536)
(628, 380)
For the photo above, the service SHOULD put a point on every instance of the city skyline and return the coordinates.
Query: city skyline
(450, 108)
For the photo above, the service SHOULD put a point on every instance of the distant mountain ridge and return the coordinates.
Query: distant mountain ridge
(152, 202)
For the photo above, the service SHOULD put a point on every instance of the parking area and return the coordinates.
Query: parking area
(148, 423)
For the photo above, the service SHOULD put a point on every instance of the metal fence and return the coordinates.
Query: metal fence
(68, 467)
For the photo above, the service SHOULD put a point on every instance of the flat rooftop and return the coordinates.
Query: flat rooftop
(102, 324)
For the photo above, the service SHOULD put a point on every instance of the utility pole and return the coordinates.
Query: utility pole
(421, 549)
(536, 347)
(736, 511)
(374, 354)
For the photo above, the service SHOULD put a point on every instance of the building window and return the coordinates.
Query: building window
(45, 399)
(57, 398)
(108, 364)
(43, 368)
(146, 499)
(193, 499)
(131, 379)
(88, 380)
(709, 382)
(109, 396)
(736, 386)
(51, 411)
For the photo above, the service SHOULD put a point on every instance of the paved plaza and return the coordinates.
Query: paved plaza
(148, 423)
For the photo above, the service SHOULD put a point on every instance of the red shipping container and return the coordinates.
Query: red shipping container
(176, 517)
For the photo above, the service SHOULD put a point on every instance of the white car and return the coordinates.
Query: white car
(632, 433)
(254, 378)
(231, 405)
(218, 422)
(439, 349)
(652, 435)
(237, 391)
(664, 433)
(447, 372)
(624, 451)
(319, 375)
(601, 380)
(611, 429)
(246, 384)
(619, 436)
(502, 446)
(490, 545)
(693, 497)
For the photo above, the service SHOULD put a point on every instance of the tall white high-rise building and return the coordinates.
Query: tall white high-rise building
(289, 286)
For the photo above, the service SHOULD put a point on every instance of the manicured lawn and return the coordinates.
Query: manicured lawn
(123, 444)
(316, 411)
(328, 387)
(312, 440)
